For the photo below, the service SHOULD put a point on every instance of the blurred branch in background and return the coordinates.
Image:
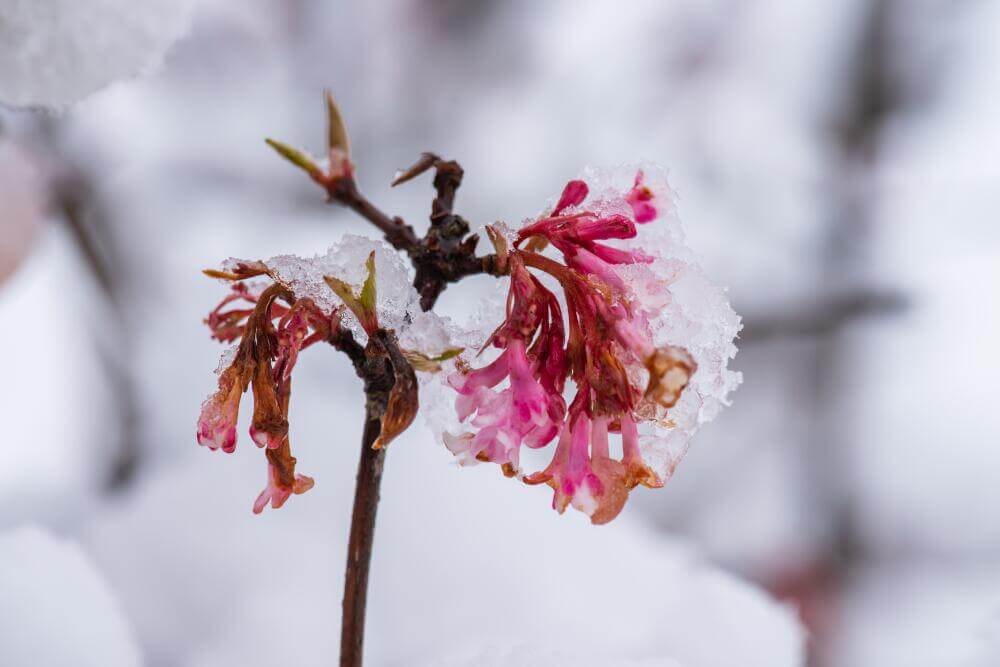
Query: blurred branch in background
(22, 194)
(76, 201)
(822, 319)
(870, 97)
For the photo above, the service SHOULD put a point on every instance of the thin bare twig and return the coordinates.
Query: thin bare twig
(447, 252)
(374, 366)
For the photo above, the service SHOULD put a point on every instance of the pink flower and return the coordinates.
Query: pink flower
(607, 351)
(227, 325)
(278, 490)
(523, 413)
(530, 410)
(219, 412)
(583, 474)
(271, 336)
(572, 195)
(580, 231)
(640, 198)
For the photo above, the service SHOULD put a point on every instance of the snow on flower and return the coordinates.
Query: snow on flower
(309, 300)
(612, 348)
(271, 336)
(634, 342)
(278, 489)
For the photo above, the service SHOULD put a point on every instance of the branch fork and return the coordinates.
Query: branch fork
(445, 254)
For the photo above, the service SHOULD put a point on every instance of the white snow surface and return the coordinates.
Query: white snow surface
(55, 608)
(53, 53)
(463, 560)
(539, 656)
(49, 474)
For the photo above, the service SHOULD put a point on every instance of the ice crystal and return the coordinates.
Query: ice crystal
(397, 304)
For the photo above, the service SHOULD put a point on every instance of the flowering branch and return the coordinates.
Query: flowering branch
(612, 349)
(445, 254)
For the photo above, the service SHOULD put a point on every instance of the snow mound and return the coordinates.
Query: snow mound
(55, 609)
(464, 561)
(53, 53)
(539, 656)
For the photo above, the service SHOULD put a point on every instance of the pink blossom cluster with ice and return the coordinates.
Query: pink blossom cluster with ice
(634, 341)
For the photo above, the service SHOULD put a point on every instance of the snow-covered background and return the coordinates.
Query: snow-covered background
(837, 168)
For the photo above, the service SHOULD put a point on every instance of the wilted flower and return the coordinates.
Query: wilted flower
(219, 412)
(271, 336)
(281, 485)
(606, 347)
(273, 325)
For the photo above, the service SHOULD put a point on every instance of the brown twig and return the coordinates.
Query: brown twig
(373, 365)
(445, 254)
(400, 235)
(359, 548)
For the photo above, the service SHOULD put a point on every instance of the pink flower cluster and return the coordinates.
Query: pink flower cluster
(271, 336)
(602, 343)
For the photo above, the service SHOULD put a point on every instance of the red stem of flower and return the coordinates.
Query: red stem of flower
(558, 271)
(359, 548)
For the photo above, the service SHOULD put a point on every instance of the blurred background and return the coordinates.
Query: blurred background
(837, 169)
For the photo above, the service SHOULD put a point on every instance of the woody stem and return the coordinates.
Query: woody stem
(437, 264)
(359, 549)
